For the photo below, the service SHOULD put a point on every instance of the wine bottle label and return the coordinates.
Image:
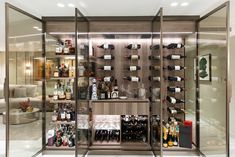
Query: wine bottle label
(66, 50)
(175, 56)
(58, 50)
(54, 118)
(178, 46)
(134, 46)
(177, 67)
(173, 100)
(106, 46)
(177, 90)
(107, 57)
(178, 78)
(135, 79)
(133, 68)
(134, 57)
(55, 97)
(107, 79)
(156, 78)
(62, 115)
(157, 57)
(68, 116)
(107, 68)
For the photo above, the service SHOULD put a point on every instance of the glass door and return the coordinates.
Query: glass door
(83, 79)
(156, 84)
(212, 82)
(24, 80)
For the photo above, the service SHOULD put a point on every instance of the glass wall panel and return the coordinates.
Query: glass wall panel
(25, 83)
(212, 66)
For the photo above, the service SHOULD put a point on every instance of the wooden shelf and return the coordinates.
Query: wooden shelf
(61, 101)
(61, 56)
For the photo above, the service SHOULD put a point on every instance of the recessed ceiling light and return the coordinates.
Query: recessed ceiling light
(184, 4)
(174, 4)
(35, 27)
(71, 5)
(61, 5)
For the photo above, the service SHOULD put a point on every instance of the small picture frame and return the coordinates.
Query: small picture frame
(204, 65)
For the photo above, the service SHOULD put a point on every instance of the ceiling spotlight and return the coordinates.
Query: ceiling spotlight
(174, 4)
(184, 4)
(71, 5)
(61, 5)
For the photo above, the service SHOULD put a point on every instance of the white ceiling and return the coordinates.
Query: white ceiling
(119, 7)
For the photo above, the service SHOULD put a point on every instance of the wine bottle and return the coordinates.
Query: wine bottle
(154, 47)
(155, 68)
(108, 79)
(133, 57)
(68, 91)
(154, 78)
(174, 57)
(133, 68)
(55, 92)
(107, 46)
(174, 68)
(175, 78)
(59, 47)
(174, 110)
(132, 78)
(174, 46)
(133, 46)
(154, 57)
(107, 57)
(106, 68)
(56, 72)
(173, 100)
(175, 89)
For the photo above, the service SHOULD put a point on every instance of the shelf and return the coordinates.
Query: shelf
(61, 78)
(61, 101)
(60, 148)
(177, 148)
(62, 56)
(110, 143)
(64, 122)
(120, 100)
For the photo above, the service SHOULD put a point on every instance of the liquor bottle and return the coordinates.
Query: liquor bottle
(114, 94)
(107, 57)
(68, 91)
(175, 89)
(170, 136)
(154, 57)
(94, 90)
(173, 100)
(68, 115)
(61, 95)
(174, 46)
(132, 78)
(154, 78)
(174, 68)
(108, 79)
(66, 49)
(63, 71)
(133, 46)
(71, 50)
(107, 46)
(72, 69)
(106, 68)
(133, 57)
(133, 68)
(54, 116)
(157, 68)
(154, 47)
(174, 57)
(59, 48)
(176, 133)
(174, 110)
(55, 92)
(165, 135)
(56, 72)
(63, 115)
(175, 78)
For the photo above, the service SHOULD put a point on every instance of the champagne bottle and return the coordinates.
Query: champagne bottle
(174, 46)
(175, 78)
(133, 68)
(154, 57)
(174, 110)
(133, 46)
(174, 68)
(133, 57)
(106, 68)
(132, 78)
(173, 100)
(174, 57)
(157, 68)
(154, 78)
(107, 57)
(175, 89)
(107, 46)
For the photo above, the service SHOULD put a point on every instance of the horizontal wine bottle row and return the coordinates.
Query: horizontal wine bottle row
(107, 135)
(169, 67)
(170, 46)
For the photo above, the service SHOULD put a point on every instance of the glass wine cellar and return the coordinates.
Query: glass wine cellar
(117, 83)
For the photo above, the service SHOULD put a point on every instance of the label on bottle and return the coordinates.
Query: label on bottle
(134, 79)
(173, 100)
(178, 46)
(82, 47)
(66, 50)
(156, 57)
(68, 116)
(134, 46)
(108, 68)
(56, 74)
(134, 57)
(54, 118)
(107, 79)
(55, 97)
(156, 78)
(62, 115)
(177, 90)
(133, 68)
(107, 57)
(58, 50)
(175, 56)
(177, 67)
(106, 46)
(178, 78)
(68, 95)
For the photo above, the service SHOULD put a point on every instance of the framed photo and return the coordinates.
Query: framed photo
(204, 63)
